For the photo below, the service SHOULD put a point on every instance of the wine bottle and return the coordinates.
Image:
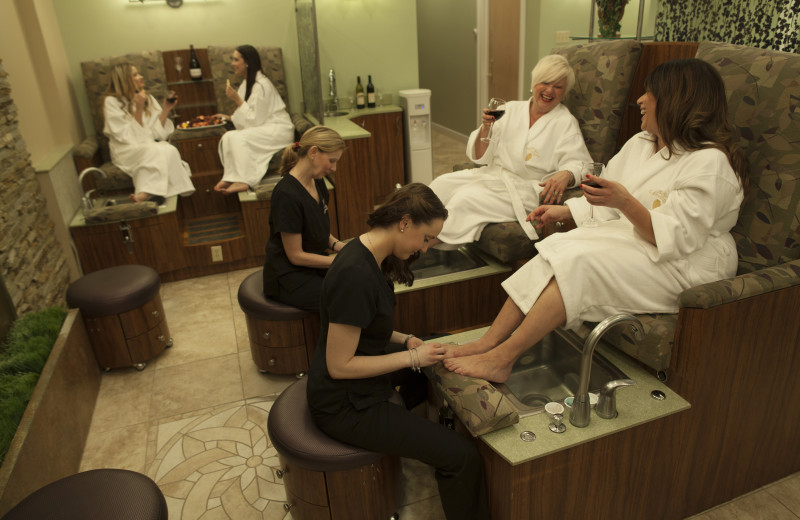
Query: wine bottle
(194, 65)
(359, 94)
(370, 93)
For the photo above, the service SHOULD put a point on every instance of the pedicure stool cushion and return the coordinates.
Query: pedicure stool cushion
(325, 478)
(101, 493)
(282, 337)
(124, 317)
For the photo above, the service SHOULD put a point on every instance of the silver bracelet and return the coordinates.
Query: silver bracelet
(412, 359)
(418, 363)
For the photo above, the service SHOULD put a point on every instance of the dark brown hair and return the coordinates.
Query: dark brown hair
(692, 111)
(253, 61)
(422, 206)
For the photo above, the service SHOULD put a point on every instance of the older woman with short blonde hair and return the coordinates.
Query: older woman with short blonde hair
(535, 153)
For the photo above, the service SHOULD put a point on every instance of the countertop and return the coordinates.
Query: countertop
(347, 128)
(634, 404)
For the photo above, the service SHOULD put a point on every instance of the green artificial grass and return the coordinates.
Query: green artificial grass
(22, 359)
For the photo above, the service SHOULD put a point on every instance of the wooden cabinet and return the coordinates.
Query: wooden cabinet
(195, 97)
(386, 150)
(203, 158)
(153, 241)
(282, 347)
(131, 338)
(369, 170)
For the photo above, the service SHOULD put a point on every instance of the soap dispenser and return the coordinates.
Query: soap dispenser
(606, 407)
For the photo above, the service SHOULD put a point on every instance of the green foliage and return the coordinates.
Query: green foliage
(22, 359)
(609, 14)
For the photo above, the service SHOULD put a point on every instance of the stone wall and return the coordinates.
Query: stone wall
(32, 262)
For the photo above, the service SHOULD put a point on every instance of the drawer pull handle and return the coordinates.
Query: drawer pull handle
(161, 338)
(287, 507)
(199, 145)
(272, 362)
(267, 335)
(280, 473)
(155, 314)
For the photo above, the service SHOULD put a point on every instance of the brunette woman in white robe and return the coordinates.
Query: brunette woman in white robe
(536, 152)
(666, 206)
(263, 127)
(137, 129)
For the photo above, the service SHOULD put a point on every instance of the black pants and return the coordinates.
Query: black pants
(389, 428)
(305, 297)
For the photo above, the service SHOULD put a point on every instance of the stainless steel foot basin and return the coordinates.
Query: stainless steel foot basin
(550, 371)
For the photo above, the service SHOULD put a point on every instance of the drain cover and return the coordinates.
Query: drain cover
(527, 436)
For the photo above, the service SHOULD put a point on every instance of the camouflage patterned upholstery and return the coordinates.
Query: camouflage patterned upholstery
(763, 89)
(478, 404)
(603, 75)
(121, 212)
(96, 78)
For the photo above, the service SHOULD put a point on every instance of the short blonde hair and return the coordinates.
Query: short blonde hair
(552, 68)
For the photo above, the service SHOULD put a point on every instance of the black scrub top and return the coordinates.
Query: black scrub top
(355, 292)
(294, 210)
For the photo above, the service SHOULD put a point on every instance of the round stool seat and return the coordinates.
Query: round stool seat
(102, 493)
(114, 290)
(253, 302)
(294, 434)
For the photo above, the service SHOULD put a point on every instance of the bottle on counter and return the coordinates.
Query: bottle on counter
(359, 93)
(370, 93)
(194, 65)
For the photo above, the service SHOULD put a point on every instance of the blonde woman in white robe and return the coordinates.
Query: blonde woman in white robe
(263, 127)
(536, 152)
(137, 129)
(666, 206)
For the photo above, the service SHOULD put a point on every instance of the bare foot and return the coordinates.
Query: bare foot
(221, 186)
(235, 187)
(140, 197)
(470, 349)
(484, 366)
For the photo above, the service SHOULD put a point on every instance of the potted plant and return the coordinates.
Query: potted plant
(609, 14)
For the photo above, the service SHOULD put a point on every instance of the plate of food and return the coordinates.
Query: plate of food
(202, 122)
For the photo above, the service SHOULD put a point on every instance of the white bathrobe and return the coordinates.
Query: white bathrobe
(142, 152)
(694, 200)
(518, 159)
(263, 127)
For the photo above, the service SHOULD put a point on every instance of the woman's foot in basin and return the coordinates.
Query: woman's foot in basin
(488, 366)
(233, 187)
(140, 197)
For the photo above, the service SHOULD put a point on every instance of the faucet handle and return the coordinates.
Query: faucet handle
(606, 407)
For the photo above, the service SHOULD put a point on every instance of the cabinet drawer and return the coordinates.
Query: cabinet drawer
(275, 334)
(302, 510)
(140, 320)
(200, 153)
(148, 345)
(283, 360)
(307, 485)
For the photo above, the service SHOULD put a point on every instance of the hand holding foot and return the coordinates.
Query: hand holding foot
(485, 366)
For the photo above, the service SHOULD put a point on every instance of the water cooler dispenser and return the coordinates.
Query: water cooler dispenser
(416, 105)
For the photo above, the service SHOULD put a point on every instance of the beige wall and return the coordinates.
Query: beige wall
(34, 58)
(448, 61)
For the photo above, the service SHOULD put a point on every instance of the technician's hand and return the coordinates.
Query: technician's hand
(554, 187)
(430, 354)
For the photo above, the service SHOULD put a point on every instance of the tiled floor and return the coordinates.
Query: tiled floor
(195, 419)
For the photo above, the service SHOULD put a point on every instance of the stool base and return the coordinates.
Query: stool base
(372, 491)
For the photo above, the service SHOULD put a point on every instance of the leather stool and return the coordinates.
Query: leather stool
(101, 493)
(282, 337)
(124, 317)
(325, 478)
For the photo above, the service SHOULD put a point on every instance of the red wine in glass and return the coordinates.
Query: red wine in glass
(496, 108)
(497, 114)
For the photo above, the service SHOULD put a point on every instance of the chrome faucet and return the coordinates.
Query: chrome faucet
(580, 413)
(86, 200)
(334, 106)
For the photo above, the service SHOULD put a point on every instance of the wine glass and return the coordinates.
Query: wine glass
(497, 107)
(596, 169)
(178, 64)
